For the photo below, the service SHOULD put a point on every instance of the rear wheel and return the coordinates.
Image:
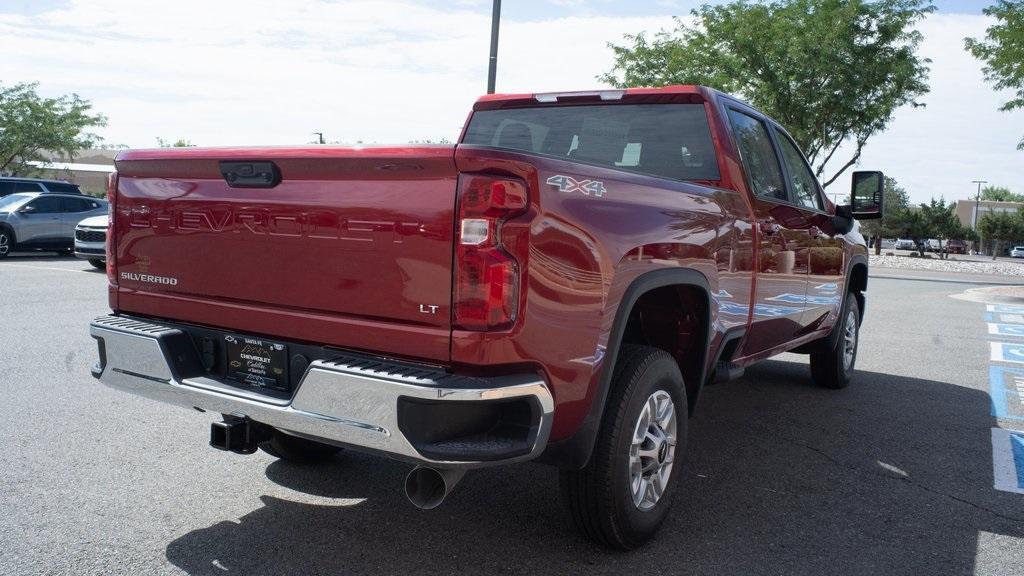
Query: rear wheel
(6, 243)
(298, 450)
(624, 493)
(97, 263)
(833, 368)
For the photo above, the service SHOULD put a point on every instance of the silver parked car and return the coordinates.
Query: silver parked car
(91, 240)
(38, 221)
(1017, 252)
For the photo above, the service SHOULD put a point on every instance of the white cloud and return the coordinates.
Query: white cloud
(960, 136)
(264, 71)
(270, 72)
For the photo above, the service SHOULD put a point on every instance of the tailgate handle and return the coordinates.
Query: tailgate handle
(262, 174)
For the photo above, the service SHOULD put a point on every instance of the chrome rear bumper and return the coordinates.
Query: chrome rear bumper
(349, 400)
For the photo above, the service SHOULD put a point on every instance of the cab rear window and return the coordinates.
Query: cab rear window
(665, 140)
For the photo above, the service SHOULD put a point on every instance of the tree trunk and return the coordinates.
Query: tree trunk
(878, 245)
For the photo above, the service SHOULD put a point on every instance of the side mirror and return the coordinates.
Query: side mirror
(27, 209)
(867, 195)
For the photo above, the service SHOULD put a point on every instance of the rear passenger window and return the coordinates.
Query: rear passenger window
(803, 184)
(77, 204)
(27, 187)
(758, 156)
(63, 187)
(666, 140)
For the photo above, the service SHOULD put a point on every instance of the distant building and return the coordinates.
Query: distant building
(89, 169)
(965, 210)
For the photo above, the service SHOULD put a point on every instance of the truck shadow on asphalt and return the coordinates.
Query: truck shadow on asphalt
(890, 476)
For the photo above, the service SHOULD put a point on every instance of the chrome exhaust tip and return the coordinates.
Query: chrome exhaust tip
(427, 487)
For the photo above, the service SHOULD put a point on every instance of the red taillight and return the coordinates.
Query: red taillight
(111, 200)
(487, 275)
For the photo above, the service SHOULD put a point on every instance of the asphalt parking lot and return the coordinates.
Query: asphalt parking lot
(893, 475)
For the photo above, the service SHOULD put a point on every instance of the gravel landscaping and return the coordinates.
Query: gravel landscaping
(997, 267)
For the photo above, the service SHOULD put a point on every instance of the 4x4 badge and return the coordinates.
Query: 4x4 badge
(570, 185)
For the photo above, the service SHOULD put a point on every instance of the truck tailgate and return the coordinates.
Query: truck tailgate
(352, 248)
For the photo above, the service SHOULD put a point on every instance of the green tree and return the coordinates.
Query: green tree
(1000, 194)
(1002, 51)
(999, 228)
(889, 226)
(179, 143)
(830, 71)
(34, 128)
(912, 224)
(941, 221)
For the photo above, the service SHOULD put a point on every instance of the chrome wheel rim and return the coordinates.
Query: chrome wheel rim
(5, 245)
(652, 452)
(849, 340)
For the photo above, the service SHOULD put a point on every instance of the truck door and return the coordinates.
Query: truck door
(822, 249)
(781, 276)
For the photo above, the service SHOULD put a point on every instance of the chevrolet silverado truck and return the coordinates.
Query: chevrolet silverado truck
(558, 286)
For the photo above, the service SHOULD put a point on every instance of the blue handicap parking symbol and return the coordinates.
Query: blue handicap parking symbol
(1005, 309)
(1006, 329)
(1017, 448)
(1006, 390)
(1006, 352)
(1008, 460)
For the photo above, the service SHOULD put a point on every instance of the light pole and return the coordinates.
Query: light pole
(974, 219)
(492, 68)
(320, 136)
(977, 202)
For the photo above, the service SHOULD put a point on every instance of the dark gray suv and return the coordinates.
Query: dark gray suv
(11, 185)
(38, 221)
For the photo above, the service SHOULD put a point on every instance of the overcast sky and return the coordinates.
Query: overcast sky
(273, 72)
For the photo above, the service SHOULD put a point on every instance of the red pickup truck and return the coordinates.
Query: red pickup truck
(559, 286)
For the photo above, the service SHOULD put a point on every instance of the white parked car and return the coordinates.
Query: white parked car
(905, 244)
(91, 240)
(1017, 252)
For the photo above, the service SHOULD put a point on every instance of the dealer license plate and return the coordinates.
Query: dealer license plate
(257, 362)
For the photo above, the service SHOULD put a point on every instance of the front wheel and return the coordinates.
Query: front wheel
(624, 493)
(833, 368)
(97, 263)
(6, 243)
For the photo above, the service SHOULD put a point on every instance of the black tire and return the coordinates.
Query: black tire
(600, 497)
(832, 367)
(298, 450)
(97, 263)
(6, 243)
